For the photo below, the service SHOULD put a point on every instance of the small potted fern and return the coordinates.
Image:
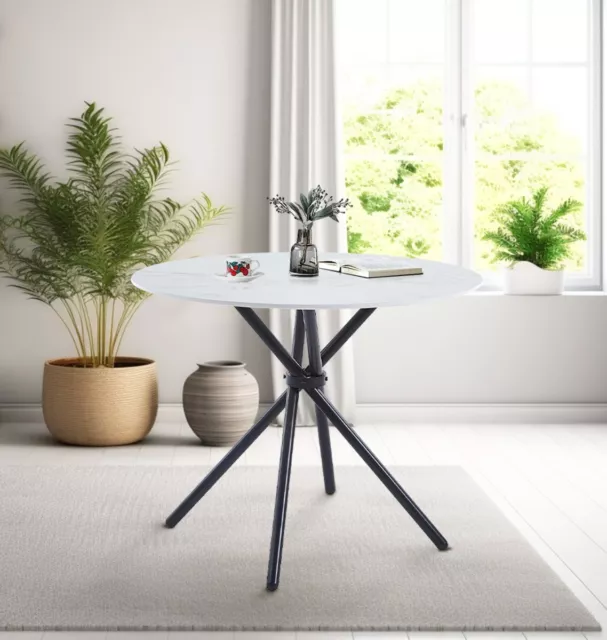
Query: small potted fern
(74, 248)
(533, 243)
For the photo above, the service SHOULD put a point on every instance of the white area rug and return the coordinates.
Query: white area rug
(86, 549)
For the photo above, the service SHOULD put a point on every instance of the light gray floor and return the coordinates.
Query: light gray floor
(550, 480)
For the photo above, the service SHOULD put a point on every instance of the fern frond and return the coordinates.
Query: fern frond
(24, 170)
(77, 243)
(93, 152)
(565, 208)
(525, 232)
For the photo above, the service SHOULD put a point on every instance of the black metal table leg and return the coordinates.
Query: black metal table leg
(312, 380)
(282, 491)
(284, 469)
(345, 333)
(324, 438)
(272, 342)
(378, 469)
(227, 461)
(299, 337)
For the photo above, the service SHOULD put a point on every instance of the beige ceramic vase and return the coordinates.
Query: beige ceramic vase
(100, 406)
(220, 401)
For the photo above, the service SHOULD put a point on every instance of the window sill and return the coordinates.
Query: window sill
(575, 293)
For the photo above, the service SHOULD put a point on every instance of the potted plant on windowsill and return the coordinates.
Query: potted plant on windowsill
(533, 243)
(74, 248)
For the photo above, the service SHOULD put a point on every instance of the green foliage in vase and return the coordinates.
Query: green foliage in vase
(526, 231)
(77, 242)
(318, 204)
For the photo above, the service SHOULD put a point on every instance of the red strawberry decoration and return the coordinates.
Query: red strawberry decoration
(244, 271)
(233, 271)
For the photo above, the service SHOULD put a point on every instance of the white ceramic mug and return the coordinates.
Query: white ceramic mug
(240, 266)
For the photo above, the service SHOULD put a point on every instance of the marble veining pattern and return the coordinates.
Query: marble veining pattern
(195, 279)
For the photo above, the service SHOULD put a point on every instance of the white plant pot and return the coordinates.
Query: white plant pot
(526, 279)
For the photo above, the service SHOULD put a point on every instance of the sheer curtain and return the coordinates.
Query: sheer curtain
(306, 151)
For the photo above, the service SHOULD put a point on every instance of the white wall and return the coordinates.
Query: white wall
(195, 73)
(486, 348)
(192, 73)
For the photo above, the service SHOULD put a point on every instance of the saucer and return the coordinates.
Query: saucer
(253, 276)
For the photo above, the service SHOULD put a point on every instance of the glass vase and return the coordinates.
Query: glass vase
(304, 256)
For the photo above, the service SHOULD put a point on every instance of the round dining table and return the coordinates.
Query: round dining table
(203, 280)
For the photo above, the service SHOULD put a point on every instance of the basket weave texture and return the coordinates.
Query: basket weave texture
(99, 406)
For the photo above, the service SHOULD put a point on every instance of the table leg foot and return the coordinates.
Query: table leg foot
(282, 490)
(378, 469)
(226, 462)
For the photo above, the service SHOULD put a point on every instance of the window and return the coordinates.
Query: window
(453, 107)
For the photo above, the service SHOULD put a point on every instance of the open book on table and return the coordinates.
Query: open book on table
(372, 266)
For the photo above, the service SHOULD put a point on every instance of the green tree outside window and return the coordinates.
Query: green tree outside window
(394, 168)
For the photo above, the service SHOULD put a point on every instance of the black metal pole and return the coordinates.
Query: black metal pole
(299, 336)
(271, 341)
(282, 491)
(344, 334)
(286, 459)
(226, 462)
(324, 438)
(378, 469)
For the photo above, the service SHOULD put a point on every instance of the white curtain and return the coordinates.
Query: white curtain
(305, 152)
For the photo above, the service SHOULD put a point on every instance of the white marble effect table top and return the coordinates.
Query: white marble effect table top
(195, 279)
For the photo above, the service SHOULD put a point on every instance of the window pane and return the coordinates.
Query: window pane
(560, 31)
(503, 77)
(397, 205)
(364, 85)
(543, 110)
(416, 32)
(562, 94)
(531, 119)
(361, 31)
(500, 30)
(407, 75)
(393, 132)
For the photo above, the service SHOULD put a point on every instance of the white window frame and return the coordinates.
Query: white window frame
(458, 129)
(458, 209)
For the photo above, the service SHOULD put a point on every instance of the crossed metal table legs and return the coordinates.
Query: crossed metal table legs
(311, 380)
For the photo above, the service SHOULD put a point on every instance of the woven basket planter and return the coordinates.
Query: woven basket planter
(100, 406)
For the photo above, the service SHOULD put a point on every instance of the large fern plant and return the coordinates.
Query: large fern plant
(77, 242)
(527, 232)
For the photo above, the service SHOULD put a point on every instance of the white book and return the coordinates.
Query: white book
(372, 267)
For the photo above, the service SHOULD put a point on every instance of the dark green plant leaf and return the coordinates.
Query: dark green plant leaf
(85, 237)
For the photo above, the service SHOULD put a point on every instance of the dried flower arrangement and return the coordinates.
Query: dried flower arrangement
(318, 204)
